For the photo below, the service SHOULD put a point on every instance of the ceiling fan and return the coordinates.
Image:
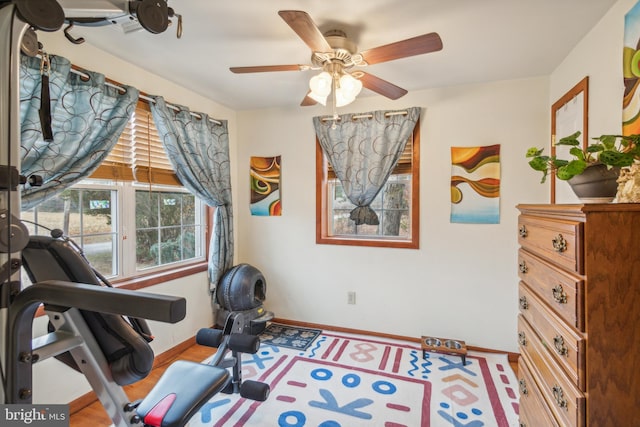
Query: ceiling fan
(338, 58)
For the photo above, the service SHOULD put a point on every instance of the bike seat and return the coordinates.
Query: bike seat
(180, 393)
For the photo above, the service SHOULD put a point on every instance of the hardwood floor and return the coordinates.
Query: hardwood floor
(94, 415)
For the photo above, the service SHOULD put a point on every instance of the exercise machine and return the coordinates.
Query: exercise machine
(115, 350)
(90, 334)
(94, 328)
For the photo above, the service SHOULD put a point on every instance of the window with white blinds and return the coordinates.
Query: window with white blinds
(138, 155)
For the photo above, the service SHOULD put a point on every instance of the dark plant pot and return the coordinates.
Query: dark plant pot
(596, 184)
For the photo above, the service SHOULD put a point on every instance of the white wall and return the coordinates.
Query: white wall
(462, 282)
(599, 56)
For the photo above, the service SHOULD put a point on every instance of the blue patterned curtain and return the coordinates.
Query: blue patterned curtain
(87, 120)
(363, 153)
(199, 152)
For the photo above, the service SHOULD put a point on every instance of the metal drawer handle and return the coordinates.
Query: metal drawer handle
(524, 304)
(558, 343)
(523, 387)
(559, 243)
(523, 267)
(522, 338)
(558, 395)
(523, 231)
(559, 295)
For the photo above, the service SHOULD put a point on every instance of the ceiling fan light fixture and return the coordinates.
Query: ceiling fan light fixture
(320, 85)
(350, 86)
(343, 98)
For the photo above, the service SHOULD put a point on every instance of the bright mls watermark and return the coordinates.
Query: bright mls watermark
(34, 415)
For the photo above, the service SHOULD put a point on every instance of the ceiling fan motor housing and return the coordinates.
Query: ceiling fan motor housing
(343, 50)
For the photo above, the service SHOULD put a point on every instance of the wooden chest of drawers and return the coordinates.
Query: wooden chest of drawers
(579, 321)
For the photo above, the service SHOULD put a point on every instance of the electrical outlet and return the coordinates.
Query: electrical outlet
(351, 297)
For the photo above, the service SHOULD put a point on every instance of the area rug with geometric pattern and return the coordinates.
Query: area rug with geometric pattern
(350, 380)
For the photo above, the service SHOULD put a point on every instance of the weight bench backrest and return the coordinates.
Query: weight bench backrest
(129, 355)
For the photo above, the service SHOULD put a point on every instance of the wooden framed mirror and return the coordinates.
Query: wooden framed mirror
(569, 114)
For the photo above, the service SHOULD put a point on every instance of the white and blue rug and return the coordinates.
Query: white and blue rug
(349, 380)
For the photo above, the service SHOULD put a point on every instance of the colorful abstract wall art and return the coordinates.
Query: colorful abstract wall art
(475, 184)
(265, 186)
(631, 72)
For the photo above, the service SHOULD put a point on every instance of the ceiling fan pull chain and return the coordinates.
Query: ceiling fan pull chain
(333, 99)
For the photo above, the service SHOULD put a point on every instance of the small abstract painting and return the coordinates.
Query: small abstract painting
(265, 186)
(475, 184)
(631, 72)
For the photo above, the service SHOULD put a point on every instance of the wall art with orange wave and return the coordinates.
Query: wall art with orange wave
(631, 72)
(475, 184)
(265, 186)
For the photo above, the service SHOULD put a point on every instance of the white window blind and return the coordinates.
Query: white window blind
(138, 154)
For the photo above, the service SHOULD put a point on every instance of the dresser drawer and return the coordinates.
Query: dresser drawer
(564, 344)
(563, 292)
(553, 239)
(565, 400)
(533, 410)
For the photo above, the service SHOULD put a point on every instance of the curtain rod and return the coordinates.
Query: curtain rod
(367, 116)
(146, 98)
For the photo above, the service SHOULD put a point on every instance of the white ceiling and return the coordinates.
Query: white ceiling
(484, 40)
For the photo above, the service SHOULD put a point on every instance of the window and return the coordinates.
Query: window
(168, 222)
(88, 216)
(132, 217)
(397, 205)
(167, 228)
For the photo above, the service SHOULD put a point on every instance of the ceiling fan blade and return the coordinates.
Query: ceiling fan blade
(381, 86)
(419, 45)
(268, 68)
(308, 101)
(306, 29)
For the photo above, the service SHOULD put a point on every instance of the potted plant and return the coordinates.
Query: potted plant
(603, 158)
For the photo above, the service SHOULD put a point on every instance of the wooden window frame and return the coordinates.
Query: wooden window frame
(322, 236)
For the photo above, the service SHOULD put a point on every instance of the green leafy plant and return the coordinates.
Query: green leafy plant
(611, 150)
